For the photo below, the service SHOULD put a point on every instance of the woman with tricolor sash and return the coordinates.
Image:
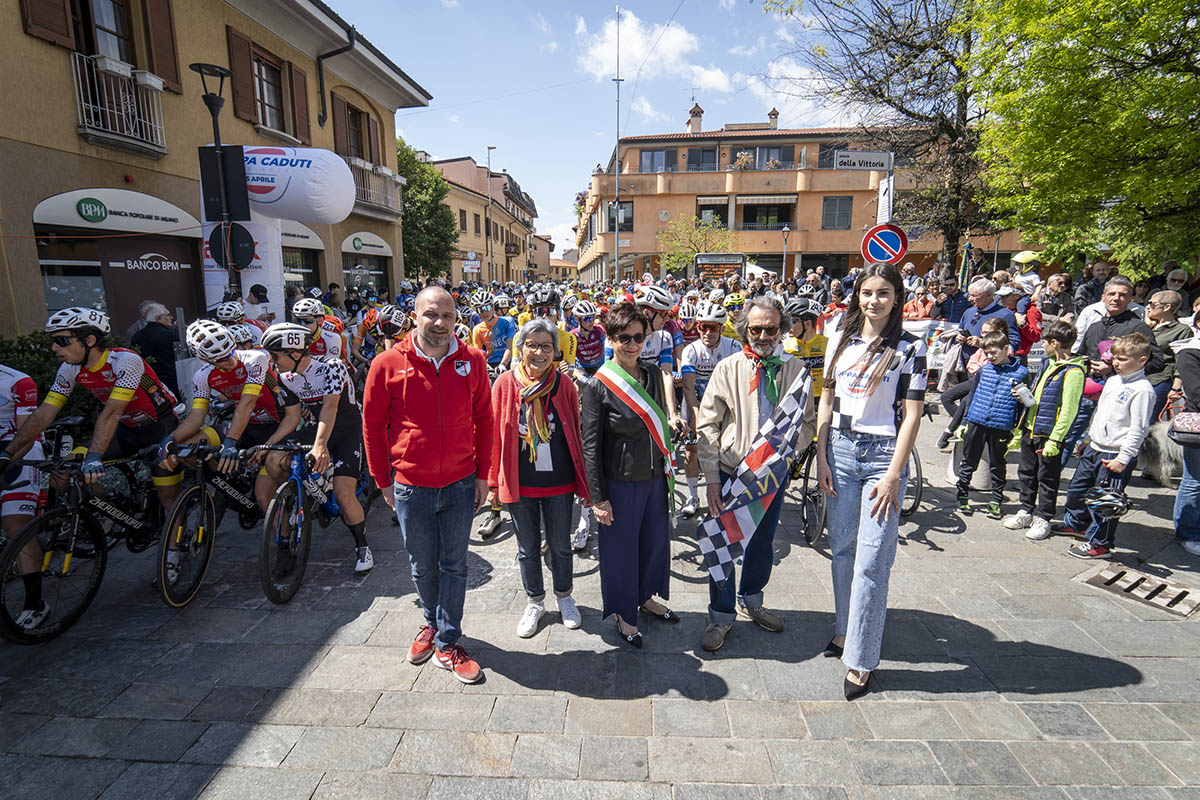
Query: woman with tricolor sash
(627, 448)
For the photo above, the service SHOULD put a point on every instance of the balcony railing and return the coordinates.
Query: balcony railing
(702, 168)
(376, 191)
(118, 106)
(762, 226)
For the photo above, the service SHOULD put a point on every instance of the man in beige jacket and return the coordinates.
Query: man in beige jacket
(743, 390)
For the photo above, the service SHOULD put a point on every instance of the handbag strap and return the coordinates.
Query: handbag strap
(1170, 410)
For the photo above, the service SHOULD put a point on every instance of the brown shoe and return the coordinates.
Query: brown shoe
(714, 636)
(765, 619)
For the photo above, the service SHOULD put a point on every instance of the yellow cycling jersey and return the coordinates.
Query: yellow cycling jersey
(568, 345)
(731, 330)
(812, 353)
(523, 317)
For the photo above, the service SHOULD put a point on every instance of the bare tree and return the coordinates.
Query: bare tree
(904, 64)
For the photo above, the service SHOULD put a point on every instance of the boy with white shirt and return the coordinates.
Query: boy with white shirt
(1118, 427)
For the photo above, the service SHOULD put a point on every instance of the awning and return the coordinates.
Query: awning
(765, 199)
(712, 201)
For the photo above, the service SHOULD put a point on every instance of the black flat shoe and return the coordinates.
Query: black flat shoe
(667, 616)
(633, 639)
(853, 690)
(833, 650)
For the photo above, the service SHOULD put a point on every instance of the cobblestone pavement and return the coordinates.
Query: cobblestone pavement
(1004, 676)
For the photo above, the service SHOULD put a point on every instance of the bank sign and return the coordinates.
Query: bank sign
(95, 211)
(151, 262)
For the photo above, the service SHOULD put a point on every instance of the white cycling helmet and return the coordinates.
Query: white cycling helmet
(230, 311)
(569, 302)
(502, 301)
(241, 333)
(687, 311)
(209, 340)
(716, 295)
(462, 332)
(584, 309)
(482, 297)
(653, 296)
(78, 318)
(286, 336)
(708, 311)
(308, 307)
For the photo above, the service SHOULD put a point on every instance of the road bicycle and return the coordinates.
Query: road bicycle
(287, 528)
(63, 553)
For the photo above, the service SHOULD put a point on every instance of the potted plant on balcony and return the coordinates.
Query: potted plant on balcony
(774, 163)
(744, 161)
(580, 199)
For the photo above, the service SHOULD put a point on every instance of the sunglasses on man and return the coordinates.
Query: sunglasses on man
(709, 326)
(764, 330)
(62, 341)
(306, 320)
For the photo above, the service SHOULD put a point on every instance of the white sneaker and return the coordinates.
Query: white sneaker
(580, 540)
(32, 618)
(365, 562)
(1192, 546)
(172, 567)
(1019, 520)
(528, 625)
(690, 508)
(1040, 529)
(569, 612)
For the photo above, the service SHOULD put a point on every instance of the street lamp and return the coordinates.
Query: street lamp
(491, 266)
(214, 102)
(786, 232)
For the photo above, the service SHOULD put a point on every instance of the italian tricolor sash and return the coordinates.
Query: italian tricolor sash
(630, 392)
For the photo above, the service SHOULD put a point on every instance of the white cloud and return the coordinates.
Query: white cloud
(747, 50)
(727, 4)
(642, 106)
(786, 85)
(671, 58)
(542, 24)
(580, 26)
(550, 47)
(561, 234)
(455, 119)
(450, 3)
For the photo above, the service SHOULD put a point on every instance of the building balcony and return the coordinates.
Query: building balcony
(119, 107)
(377, 192)
(762, 226)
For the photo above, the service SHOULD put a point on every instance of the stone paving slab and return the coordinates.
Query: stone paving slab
(1003, 676)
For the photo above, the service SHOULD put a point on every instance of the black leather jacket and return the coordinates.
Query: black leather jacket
(616, 444)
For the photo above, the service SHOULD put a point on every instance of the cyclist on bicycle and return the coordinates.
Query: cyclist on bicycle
(233, 313)
(265, 413)
(493, 333)
(18, 400)
(243, 336)
(326, 340)
(804, 342)
(590, 338)
(699, 360)
(734, 302)
(333, 422)
(394, 323)
(366, 339)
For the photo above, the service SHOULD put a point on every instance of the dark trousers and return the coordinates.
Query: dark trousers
(1079, 425)
(1089, 473)
(1039, 478)
(955, 401)
(528, 516)
(756, 567)
(978, 437)
(635, 551)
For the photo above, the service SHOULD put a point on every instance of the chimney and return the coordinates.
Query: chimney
(694, 119)
(773, 116)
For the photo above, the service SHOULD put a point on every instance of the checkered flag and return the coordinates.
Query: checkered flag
(751, 490)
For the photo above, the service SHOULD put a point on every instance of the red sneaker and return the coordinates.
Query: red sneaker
(1085, 550)
(455, 659)
(422, 646)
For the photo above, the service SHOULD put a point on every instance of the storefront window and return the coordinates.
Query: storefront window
(300, 267)
(68, 285)
(366, 272)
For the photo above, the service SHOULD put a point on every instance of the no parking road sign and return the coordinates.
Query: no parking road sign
(886, 243)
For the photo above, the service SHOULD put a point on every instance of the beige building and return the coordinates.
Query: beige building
(563, 270)
(776, 188)
(100, 202)
(495, 222)
(540, 248)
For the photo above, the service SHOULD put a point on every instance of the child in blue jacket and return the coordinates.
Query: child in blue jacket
(990, 420)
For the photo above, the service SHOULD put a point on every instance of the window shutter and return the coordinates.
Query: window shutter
(242, 83)
(787, 154)
(160, 43)
(373, 139)
(341, 125)
(669, 160)
(49, 20)
(299, 84)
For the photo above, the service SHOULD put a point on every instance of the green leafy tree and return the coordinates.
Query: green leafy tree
(684, 237)
(1093, 127)
(430, 231)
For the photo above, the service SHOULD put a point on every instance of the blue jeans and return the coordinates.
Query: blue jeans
(756, 567)
(863, 548)
(528, 515)
(1090, 473)
(1187, 499)
(436, 526)
(1160, 399)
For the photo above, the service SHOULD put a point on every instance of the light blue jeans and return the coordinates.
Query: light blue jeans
(1187, 499)
(863, 548)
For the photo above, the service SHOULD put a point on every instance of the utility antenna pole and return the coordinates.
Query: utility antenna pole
(694, 88)
(617, 163)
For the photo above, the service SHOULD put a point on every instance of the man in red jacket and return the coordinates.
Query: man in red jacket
(427, 427)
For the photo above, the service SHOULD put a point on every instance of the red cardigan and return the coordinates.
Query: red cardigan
(506, 443)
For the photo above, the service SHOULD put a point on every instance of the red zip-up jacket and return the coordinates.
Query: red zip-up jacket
(424, 425)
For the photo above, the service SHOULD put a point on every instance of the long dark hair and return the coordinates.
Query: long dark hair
(883, 351)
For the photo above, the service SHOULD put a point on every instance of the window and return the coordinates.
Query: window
(766, 217)
(354, 129)
(268, 90)
(110, 29)
(764, 155)
(835, 212)
(462, 220)
(300, 267)
(718, 214)
(702, 159)
(657, 161)
(825, 155)
(476, 224)
(626, 217)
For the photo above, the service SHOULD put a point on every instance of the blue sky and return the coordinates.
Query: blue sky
(534, 79)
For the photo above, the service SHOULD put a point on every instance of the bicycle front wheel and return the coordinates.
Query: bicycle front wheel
(285, 544)
(915, 487)
(44, 586)
(813, 501)
(186, 546)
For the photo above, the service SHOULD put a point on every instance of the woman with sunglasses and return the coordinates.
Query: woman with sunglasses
(870, 412)
(627, 445)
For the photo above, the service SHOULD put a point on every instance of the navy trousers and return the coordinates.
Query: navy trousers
(635, 551)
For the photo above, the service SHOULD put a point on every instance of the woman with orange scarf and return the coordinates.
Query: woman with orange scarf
(537, 467)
